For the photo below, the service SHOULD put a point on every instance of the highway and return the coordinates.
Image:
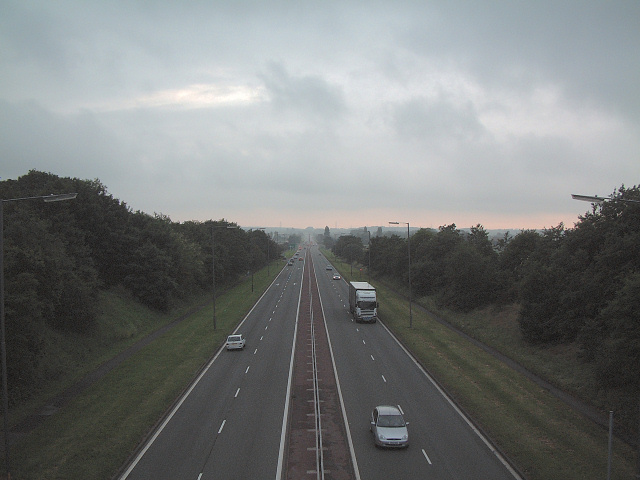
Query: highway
(373, 369)
(229, 424)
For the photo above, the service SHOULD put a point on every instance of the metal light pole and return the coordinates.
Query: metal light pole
(268, 249)
(409, 250)
(600, 200)
(252, 259)
(369, 249)
(213, 272)
(3, 339)
(213, 265)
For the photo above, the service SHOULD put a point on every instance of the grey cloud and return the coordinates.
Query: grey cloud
(588, 48)
(437, 121)
(74, 145)
(307, 94)
(449, 106)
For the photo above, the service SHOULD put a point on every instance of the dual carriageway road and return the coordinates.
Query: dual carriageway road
(296, 402)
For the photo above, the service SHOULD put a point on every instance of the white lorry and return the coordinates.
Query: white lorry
(363, 303)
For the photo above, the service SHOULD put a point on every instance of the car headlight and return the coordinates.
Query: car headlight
(381, 437)
(405, 437)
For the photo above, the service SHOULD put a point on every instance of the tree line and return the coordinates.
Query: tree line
(576, 285)
(59, 256)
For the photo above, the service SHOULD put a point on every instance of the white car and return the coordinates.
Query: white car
(388, 427)
(235, 342)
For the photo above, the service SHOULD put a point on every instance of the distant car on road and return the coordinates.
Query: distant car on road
(388, 427)
(329, 267)
(337, 277)
(235, 342)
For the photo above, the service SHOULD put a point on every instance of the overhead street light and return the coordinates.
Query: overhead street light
(409, 254)
(588, 198)
(599, 200)
(59, 198)
(3, 341)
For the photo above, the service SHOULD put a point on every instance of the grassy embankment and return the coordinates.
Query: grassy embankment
(92, 436)
(544, 437)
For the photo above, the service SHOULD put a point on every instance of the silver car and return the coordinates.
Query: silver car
(388, 427)
(236, 341)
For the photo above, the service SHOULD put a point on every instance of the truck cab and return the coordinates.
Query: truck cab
(363, 302)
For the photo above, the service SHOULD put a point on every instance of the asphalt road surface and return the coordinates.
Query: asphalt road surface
(373, 369)
(232, 423)
(228, 426)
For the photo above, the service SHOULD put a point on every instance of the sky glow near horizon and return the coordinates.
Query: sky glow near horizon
(340, 114)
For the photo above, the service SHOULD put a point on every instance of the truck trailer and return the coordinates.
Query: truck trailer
(363, 303)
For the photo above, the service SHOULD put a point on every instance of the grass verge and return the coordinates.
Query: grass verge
(540, 434)
(69, 357)
(93, 435)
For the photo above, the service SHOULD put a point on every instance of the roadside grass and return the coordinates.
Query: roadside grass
(498, 327)
(540, 434)
(93, 435)
(69, 357)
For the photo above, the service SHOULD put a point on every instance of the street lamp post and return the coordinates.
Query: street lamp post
(251, 259)
(3, 340)
(369, 252)
(268, 249)
(213, 265)
(409, 254)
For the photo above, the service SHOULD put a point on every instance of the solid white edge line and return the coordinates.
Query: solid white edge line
(491, 448)
(344, 410)
(167, 420)
(164, 423)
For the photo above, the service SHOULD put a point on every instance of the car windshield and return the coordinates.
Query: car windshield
(235, 338)
(390, 421)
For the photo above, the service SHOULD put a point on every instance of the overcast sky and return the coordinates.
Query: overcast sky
(340, 114)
